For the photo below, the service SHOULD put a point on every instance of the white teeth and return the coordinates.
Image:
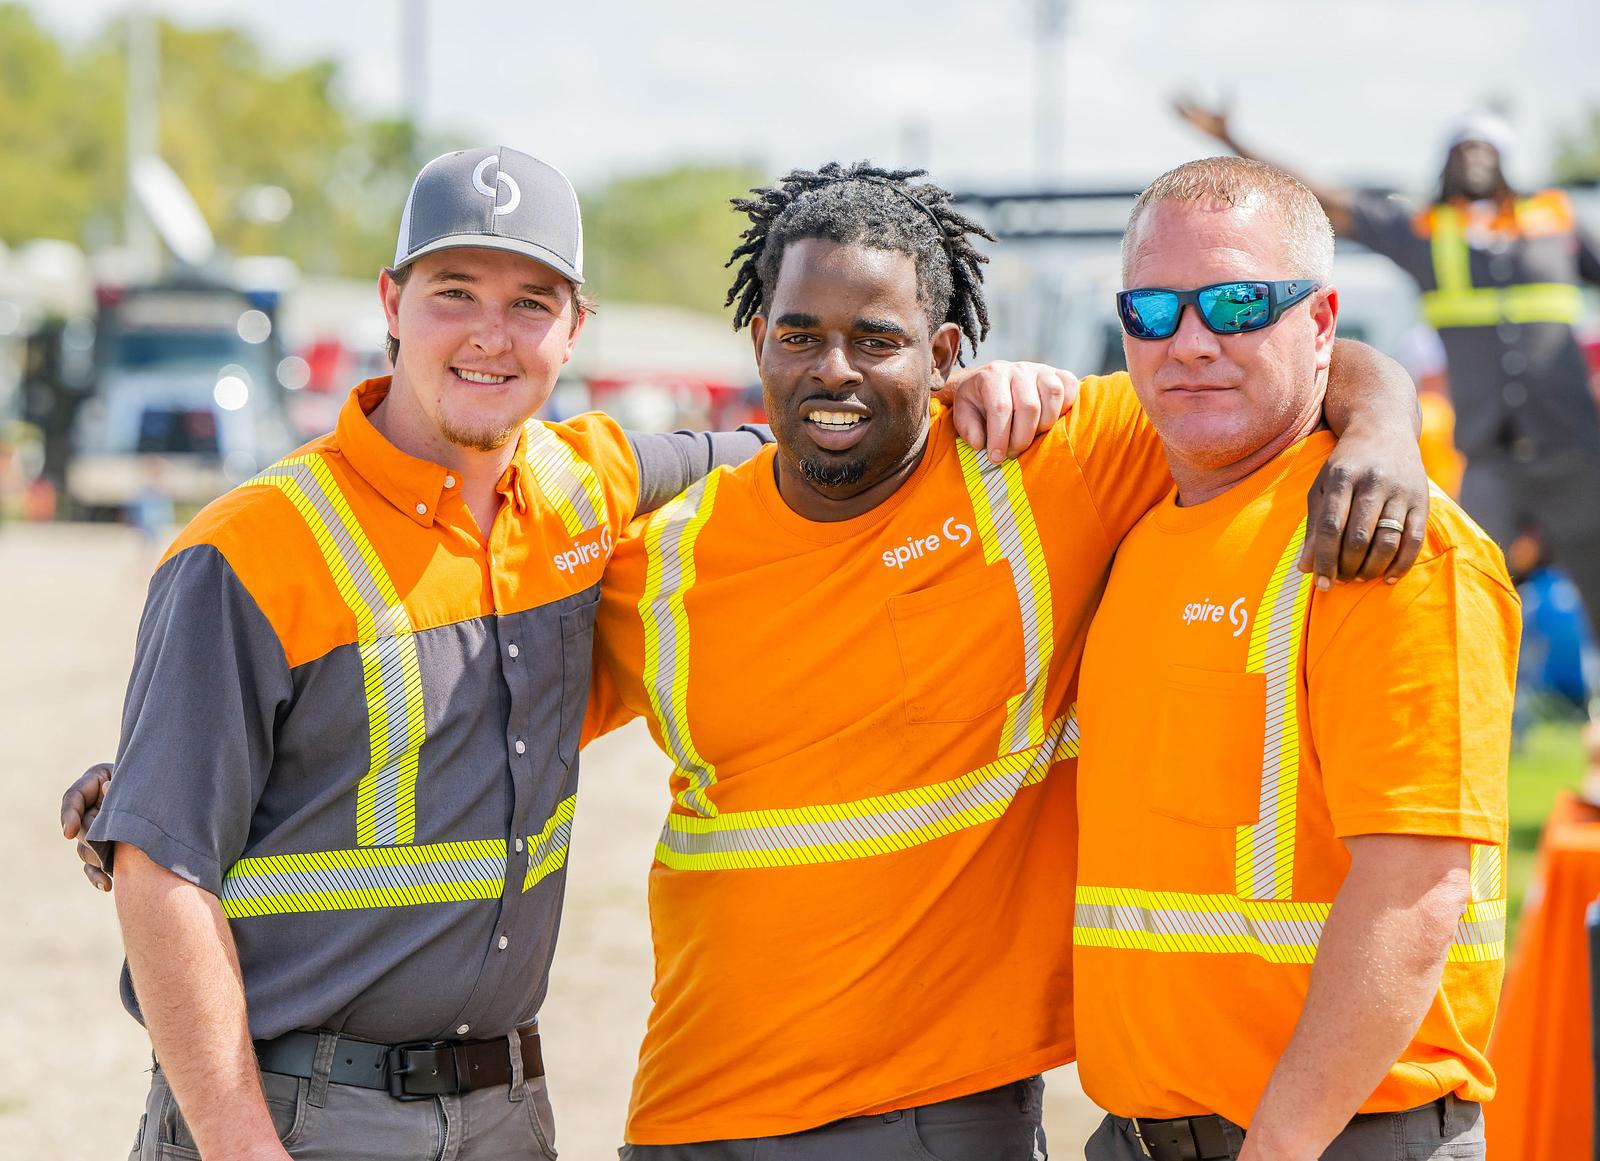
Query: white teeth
(840, 419)
(479, 377)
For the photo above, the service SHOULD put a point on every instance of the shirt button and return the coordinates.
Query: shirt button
(449, 481)
(1508, 332)
(1514, 393)
(512, 649)
(1513, 362)
(1500, 268)
(519, 846)
(422, 509)
(504, 943)
(522, 747)
(464, 1029)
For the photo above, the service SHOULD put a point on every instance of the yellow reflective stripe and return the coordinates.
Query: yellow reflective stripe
(1008, 532)
(567, 480)
(547, 850)
(1168, 921)
(390, 674)
(366, 877)
(1530, 302)
(1276, 930)
(880, 825)
(669, 574)
(1264, 851)
(1488, 873)
(1452, 260)
(1481, 933)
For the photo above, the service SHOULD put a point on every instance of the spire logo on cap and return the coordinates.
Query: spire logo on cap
(492, 191)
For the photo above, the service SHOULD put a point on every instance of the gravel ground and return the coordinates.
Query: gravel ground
(72, 1079)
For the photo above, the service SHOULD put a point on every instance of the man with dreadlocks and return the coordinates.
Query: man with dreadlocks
(860, 650)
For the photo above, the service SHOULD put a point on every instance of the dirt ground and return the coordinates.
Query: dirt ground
(73, 1073)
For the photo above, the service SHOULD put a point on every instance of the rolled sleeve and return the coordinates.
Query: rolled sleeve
(209, 682)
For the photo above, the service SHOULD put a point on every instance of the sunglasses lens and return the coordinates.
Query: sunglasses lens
(1150, 314)
(1236, 306)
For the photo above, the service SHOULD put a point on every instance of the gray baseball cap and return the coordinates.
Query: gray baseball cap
(498, 198)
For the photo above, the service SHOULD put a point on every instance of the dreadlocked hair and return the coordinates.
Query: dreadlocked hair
(863, 205)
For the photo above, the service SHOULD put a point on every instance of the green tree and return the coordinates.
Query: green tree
(1578, 153)
(663, 237)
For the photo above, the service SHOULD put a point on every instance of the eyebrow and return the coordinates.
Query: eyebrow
(462, 276)
(796, 319)
(878, 326)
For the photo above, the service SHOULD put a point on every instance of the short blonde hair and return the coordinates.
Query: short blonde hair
(1235, 181)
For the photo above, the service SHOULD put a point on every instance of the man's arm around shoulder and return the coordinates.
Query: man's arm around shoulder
(186, 974)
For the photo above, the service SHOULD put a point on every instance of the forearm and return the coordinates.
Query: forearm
(1378, 969)
(186, 974)
(1369, 393)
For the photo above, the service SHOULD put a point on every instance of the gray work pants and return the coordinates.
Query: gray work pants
(318, 1121)
(1002, 1124)
(1446, 1128)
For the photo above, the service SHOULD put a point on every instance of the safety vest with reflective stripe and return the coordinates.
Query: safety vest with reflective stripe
(386, 869)
(1261, 918)
(1456, 302)
(707, 838)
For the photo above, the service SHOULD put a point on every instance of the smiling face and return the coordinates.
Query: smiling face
(484, 334)
(847, 365)
(1225, 401)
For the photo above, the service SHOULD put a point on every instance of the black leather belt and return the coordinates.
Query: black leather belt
(1182, 1138)
(413, 1071)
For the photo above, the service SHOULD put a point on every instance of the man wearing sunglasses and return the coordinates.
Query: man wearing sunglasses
(1499, 273)
(1290, 912)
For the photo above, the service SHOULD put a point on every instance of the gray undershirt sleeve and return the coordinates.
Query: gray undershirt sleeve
(670, 461)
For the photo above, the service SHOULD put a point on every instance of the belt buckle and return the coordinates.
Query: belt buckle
(401, 1067)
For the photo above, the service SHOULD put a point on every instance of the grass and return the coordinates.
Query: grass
(1549, 759)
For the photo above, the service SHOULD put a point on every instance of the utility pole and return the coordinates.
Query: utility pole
(142, 128)
(1049, 92)
(414, 52)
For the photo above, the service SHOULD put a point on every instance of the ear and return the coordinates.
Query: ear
(577, 329)
(758, 335)
(389, 293)
(946, 348)
(1325, 317)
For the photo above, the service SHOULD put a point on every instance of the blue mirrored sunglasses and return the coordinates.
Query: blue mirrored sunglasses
(1226, 308)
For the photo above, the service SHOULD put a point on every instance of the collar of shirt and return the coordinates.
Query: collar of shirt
(412, 485)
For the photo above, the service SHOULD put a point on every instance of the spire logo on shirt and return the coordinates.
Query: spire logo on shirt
(916, 547)
(1207, 612)
(584, 553)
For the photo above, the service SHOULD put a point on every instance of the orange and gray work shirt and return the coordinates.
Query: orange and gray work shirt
(1499, 283)
(354, 718)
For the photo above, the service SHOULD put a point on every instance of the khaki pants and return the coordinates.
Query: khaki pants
(1446, 1128)
(323, 1122)
(1002, 1124)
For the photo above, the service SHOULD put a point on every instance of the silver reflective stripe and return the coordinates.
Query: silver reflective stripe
(872, 826)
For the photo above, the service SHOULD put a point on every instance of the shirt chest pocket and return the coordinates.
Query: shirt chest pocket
(1208, 752)
(960, 646)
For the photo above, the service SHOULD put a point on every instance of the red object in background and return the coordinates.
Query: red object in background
(329, 362)
(1541, 1051)
(1591, 356)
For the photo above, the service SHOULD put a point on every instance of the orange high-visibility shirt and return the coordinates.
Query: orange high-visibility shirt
(861, 898)
(1237, 725)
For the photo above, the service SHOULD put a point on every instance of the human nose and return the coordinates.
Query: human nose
(491, 335)
(1193, 341)
(833, 370)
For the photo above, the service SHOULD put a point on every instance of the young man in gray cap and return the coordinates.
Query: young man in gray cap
(429, 569)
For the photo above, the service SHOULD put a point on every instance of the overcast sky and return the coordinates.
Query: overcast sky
(1342, 89)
